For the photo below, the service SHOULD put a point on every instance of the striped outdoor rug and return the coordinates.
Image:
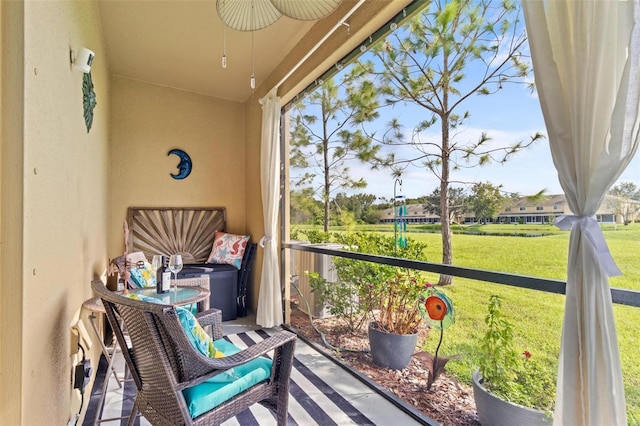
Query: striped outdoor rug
(312, 399)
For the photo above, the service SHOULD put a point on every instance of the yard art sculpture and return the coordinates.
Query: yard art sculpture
(441, 315)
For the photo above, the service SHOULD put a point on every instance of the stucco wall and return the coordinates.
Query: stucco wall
(11, 148)
(60, 189)
(149, 120)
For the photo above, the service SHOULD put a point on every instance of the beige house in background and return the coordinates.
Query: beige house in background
(523, 210)
(65, 191)
(545, 211)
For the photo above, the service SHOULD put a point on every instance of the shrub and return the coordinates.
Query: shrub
(513, 376)
(361, 284)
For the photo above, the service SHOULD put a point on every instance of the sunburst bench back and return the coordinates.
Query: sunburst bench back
(190, 231)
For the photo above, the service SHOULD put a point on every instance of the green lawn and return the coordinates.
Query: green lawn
(538, 316)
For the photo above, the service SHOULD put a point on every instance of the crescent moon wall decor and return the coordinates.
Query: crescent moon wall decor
(184, 166)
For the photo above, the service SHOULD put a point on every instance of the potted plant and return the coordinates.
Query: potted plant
(508, 387)
(396, 308)
(349, 295)
(392, 301)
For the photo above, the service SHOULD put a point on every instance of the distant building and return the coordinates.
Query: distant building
(416, 214)
(546, 210)
(521, 210)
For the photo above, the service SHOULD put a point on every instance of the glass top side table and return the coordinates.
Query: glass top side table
(180, 296)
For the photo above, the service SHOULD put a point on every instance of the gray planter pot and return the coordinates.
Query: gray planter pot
(391, 350)
(494, 411)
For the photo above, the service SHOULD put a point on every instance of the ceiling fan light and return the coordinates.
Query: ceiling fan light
(306, 10)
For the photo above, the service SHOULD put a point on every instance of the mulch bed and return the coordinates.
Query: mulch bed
(448, 402)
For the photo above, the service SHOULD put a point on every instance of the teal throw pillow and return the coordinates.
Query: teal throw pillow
(198, 338)
(143, 276)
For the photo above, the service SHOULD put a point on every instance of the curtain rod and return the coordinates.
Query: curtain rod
(319, 43)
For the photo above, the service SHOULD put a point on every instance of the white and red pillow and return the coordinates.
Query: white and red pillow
(228, 249)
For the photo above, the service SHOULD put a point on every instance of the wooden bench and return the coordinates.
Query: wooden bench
(190, 232)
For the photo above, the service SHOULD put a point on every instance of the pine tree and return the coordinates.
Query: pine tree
(450, 51)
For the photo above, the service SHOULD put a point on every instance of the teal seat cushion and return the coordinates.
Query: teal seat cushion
(213, 392)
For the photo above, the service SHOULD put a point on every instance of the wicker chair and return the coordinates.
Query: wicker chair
(163, 363)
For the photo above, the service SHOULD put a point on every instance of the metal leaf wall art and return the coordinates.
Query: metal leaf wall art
(88, 100)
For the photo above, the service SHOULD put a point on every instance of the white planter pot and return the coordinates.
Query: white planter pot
(494, 411)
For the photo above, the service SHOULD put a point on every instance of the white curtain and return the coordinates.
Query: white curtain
(269, 312)
(587, 71)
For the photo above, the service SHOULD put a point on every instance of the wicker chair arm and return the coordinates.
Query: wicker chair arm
(283, 342)
(212, 317)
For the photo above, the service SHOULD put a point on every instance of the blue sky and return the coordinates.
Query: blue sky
(511, 115)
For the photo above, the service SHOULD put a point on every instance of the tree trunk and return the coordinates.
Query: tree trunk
(326, 192)
(445, 221)
(326, 216)
(446, 237)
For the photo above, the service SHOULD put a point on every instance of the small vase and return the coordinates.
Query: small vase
(495, 411)
(391, 350)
